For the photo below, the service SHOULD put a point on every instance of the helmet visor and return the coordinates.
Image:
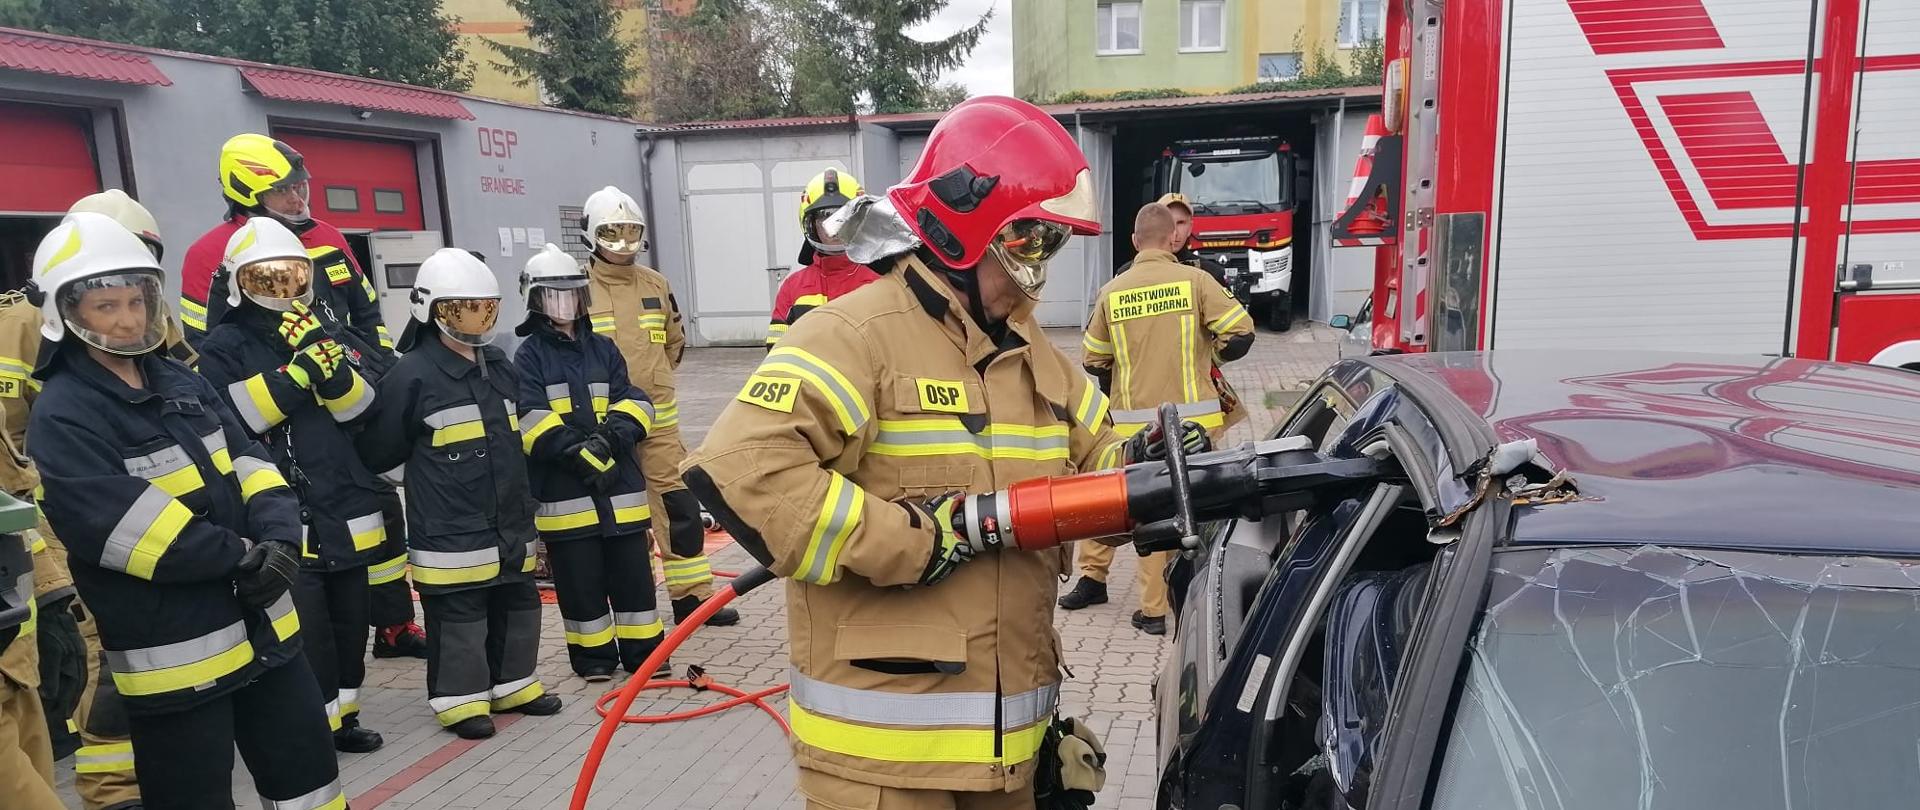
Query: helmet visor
(1025, 246)
(276, 283)
(561, 304)
(619, 238)
(817, 235)
(122, 313)
(289, 199)
(468, 320)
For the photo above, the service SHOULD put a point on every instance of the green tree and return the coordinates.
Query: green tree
(581, 61)
(409, 41)
(943, 96)
(721, 62)
(864, 55)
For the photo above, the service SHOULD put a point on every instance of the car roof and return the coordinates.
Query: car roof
(1709, 450)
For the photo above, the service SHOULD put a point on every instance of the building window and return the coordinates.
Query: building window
(1279, 67)
(1360, 22)
(342, 198)
(1116, 28)
(1203, 25)
(388, 201)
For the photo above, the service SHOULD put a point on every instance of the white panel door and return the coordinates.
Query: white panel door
(730, 265)
(396, 260)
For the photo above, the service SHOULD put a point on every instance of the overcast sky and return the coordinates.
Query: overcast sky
(989, 70)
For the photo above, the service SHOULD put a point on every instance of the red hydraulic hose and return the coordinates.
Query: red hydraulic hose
(617, 714)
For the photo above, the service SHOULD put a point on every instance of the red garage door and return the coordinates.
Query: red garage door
(46, 158)
(359, 182)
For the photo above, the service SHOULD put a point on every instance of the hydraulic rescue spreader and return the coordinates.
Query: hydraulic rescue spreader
(1159, 504)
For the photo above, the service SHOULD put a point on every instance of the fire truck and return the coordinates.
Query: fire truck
(1715, 175)
(1242, 195)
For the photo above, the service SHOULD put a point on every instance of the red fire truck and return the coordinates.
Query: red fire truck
(1719, 175)
(1241, 191)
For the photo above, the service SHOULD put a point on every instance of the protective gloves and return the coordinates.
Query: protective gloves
(318, 368)
(1149, 445)
(266, 572)
(1072, 767)
(592, 458)
(949, 548)
(300, 328)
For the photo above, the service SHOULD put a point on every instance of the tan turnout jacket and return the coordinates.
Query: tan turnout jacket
(1159, 328)
(633, 305)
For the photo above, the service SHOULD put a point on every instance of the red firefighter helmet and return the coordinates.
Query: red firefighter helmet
(998, 171)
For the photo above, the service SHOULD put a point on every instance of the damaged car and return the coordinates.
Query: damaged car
(1579, 580)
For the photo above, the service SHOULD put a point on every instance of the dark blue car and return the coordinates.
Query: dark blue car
(1585, 580)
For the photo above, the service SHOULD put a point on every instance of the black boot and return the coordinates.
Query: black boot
(474, 728)
(1151, 625)
(352, 739)
(686, 605)
(1088, 591)
(539, 707)
(598, 673)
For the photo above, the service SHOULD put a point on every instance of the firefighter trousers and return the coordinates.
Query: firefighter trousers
(1150, 574)
(828, 792)
(185, 758)
(605, 585)
(676, 517)
(389, 597)
(103, 767)
(481, 646)
(26, 752)
(333, 619)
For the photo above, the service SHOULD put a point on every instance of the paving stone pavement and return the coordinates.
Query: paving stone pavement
(739, 758)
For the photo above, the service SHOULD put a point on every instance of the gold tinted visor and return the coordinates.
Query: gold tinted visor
(276, 283)
(469, 320)
(1025, 246)
(621, 238)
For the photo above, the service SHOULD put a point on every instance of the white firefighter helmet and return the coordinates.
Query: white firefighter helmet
(614, 225)
(555, 285)
(458, 293)
(90, 252)
(268, 265)
(125, 210)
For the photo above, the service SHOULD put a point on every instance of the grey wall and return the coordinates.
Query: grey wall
(1342, 277)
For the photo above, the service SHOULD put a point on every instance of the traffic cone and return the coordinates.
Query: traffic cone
(1374, 221)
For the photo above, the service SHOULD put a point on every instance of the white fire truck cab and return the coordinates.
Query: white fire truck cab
(1716, 175)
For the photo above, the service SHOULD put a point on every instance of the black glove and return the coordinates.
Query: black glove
(1148, 445)
(591, 457)
(950, 549)
(63, 657)
(266, 572)
(1072, 767)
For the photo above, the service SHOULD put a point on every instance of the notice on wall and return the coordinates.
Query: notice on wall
(520, 236)
(536, 237)
(506, 241)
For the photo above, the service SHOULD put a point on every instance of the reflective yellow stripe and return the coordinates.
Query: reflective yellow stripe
(385, 337)
(472, 706)
(640, 411)
(630, 508)
(813, 300)
(351, 404)
(286, 620)
(1092, 410)
(590, 633)
(1122, 363)
(666, 415)
(839, 514)
(258, 480)
(1233, 317)
(1094, 345)
(15, 367)
(638, 625)
(108, 758)
(454, 567)
(193, 313)
(144, 533)
(947, 436)
(840, 394)
(188, 676)
(1111, 456)
(518, 697)
(560, 516)
(455, 576)
(914, 745)
(261, 412)
(1189, 386)
(775, 331)
(368, 531)
(459, 432)
(540, 426)
(39, 543)
(597, 463)
(384, 572)
(690, 571)
(180, 482)
(603, 323)
(529, 563)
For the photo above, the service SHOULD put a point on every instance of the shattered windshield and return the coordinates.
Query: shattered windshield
(1658, 678)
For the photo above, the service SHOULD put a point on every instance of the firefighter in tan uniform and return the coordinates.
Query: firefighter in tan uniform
(26, 751)
(103, 766)
(632, 304)
(923, 677)
(1157, 331)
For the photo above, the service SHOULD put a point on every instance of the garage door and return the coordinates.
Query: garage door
(360, 182)
(46, 158)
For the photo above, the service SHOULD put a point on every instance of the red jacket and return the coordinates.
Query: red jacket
(206, 253)
(827, 278)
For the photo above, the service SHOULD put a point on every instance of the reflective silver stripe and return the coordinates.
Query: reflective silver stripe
(558, 391)
(358, 407)
(827, 537)
(281, 607)
(513, 686)
(366, 523)
(449, 702)
(179, 653)
(246, 466)
(454, 559)
(628, 500)
(453, 416)
(534, 417)
(599, 389)
(385, 572)
(959, 435)
(117, 553)
(169, 459)
(248, 410)
(1202, 408)
(573, 506)
(635, 618)
(215, 441)
(326, 797)
(22, 591)
(590, 626)
(937, 709)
